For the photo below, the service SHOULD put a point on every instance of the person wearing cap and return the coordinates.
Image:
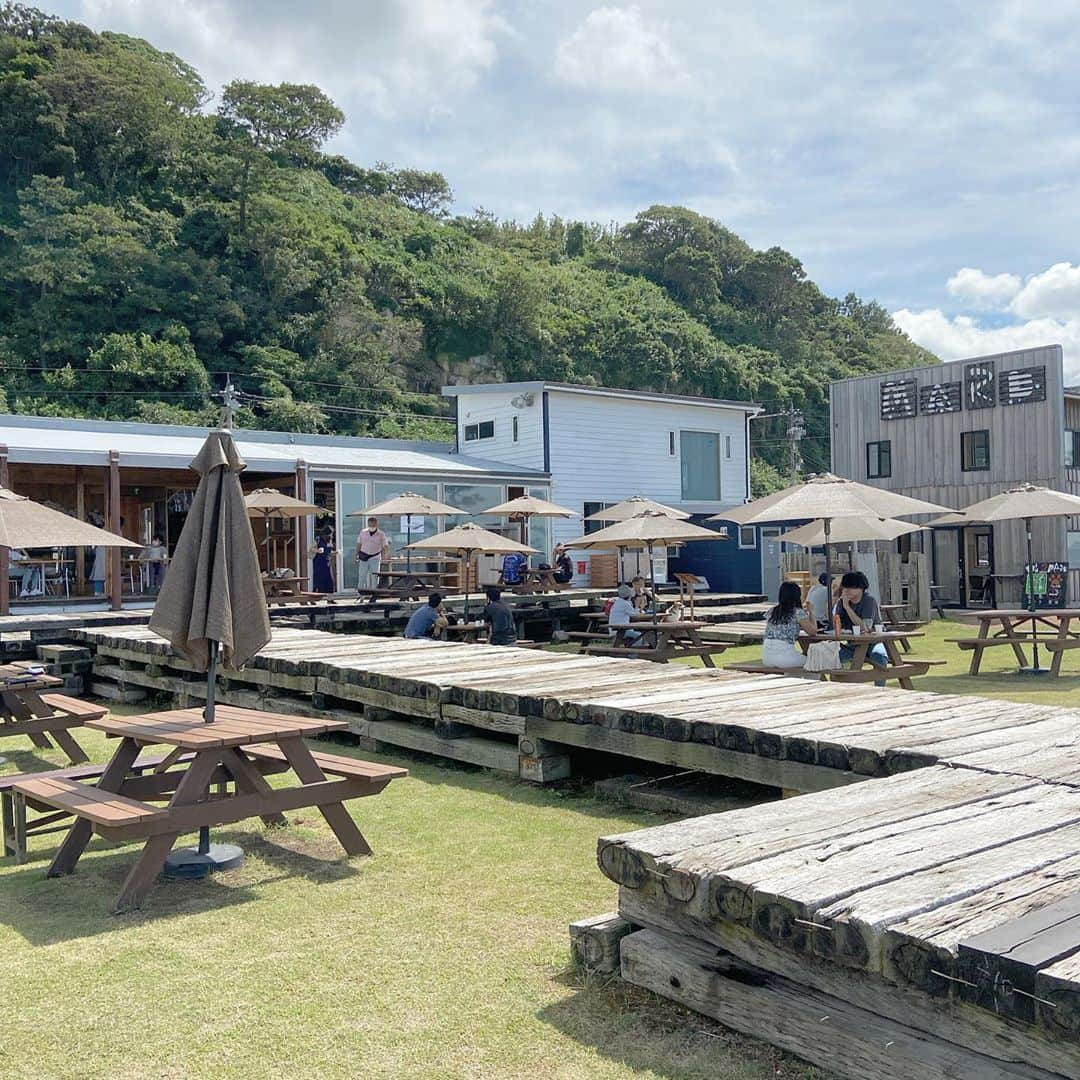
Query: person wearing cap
(621, 613)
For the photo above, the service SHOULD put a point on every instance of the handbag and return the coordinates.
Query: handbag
(363, 556)
(823, 656)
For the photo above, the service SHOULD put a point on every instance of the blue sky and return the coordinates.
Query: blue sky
(925, 156)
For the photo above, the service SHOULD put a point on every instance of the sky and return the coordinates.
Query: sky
(924, 155)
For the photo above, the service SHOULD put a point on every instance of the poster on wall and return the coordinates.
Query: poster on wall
(1048, 581)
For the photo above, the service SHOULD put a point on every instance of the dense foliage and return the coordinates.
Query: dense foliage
(150, 244)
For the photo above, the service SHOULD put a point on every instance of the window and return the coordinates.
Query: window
(594, 508)
(975, 451)
(671, 443)
(878, 459)
(1072, 449)
(513, 428)
(747, 536)
(700, 461)
(485, 429)
(727, 447)
(1072, 540)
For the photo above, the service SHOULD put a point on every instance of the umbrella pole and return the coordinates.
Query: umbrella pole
(465, 581)
(828, 568)
(652, 578)
(1029, 581)
(208, 717)
(408, 543)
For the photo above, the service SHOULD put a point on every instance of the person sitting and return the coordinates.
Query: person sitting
(782, 626)
(23, 574)
(856, 608)
(429, 620)
(622, 611)
(817, 600)
(500, 619)
(643, 599)
(563, 567)
(513, 567)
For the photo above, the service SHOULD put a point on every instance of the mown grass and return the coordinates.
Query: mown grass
(443, 955)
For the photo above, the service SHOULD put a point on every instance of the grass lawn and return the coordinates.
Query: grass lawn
(444, 955)
(997, 678)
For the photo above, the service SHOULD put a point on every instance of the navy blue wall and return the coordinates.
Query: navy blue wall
(726, 566)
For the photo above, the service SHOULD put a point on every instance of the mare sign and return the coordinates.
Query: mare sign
(902, 399)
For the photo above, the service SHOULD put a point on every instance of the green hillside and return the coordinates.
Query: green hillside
(153, 238)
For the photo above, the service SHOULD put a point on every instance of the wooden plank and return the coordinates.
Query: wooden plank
(845, 1039)
(476, 751)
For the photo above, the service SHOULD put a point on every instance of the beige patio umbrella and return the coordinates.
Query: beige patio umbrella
(1025, 502)
(213, 599)
(28, 524)
(827, 497)
(849, 530)
(636, 504)
(645, 530)
(468, 540)
(529, 506)
(406, 505)
(267, 503)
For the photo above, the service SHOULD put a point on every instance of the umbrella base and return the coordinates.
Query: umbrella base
(189, 862)
(1033, 671)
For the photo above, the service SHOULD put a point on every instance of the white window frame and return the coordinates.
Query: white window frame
(753, 532)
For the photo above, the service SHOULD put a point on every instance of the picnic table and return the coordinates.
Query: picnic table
(407, 584)
(889, 616)
(25, 710)
(1052, 628)
(861, 669)
(537, 581)
(466, 631)
(289, 590)
(661, 641)
(233, 755)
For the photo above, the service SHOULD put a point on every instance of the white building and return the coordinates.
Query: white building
(600, 445)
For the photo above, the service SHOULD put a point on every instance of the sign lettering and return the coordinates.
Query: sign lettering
(899, 399)
(1022, 386)
(979, 386)
(939, 398)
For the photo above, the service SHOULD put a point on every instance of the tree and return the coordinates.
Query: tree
(425, 192)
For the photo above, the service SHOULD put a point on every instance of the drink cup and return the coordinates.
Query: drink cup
(856, 631)
(879, 628)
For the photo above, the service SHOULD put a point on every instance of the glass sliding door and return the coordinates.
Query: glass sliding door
(352, 496)
(948, 571)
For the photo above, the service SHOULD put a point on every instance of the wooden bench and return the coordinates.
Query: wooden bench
(75, 707)
(768, 669)
(335, 765)
(649, 652)
(16, 827)
(868, 673)
(101, 808)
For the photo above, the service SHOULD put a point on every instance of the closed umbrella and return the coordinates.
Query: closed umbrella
(406, 505)
(526, 507)
(1025, 502)
(468, 540)
(829, 498)
(267, 503)
(213, 600)
(645, 530)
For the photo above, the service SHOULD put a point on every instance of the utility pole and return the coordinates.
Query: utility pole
(795, 433)
(231, 401)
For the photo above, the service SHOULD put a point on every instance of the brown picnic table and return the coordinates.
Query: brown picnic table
(889, 616)
(289, 590)
(660, 641)
(861, 669)
(232, 756)
(465, 631)
(407, 584)
(537, 581)
(1051, 628)
(26, 710)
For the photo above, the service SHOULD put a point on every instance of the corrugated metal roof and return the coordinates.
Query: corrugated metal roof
(48, 440)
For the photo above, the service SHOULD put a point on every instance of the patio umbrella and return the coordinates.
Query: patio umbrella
(828, 498)
(406, 505)
(213, 599)
(25, 523)
(849, 530)
(645, 530)
(267, 503)
(1022, 503)
(529, 506)
(468, 540)
(636, 504)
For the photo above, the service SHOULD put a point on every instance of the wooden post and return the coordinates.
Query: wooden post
(80, 513)
(5, 553)
(116, 583)
(301, 522)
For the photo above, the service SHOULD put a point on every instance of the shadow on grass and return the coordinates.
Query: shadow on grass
(50, 910)
(649, 1034)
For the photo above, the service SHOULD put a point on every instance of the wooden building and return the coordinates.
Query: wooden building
(960, 432)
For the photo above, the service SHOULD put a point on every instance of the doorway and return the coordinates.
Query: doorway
(770, 561)
(964, 565)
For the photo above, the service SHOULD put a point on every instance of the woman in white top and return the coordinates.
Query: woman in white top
(620, 614)
(782, 628)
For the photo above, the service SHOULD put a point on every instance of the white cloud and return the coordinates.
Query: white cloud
(1054, 293)
(983, 290)
(617, 49)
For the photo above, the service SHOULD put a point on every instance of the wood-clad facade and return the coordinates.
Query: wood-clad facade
(959, 432)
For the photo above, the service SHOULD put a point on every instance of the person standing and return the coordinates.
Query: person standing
(322, 567)
(500, 619)
(371, 545)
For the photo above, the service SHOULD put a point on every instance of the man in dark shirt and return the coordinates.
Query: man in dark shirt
(857, 608)
(500, 619)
